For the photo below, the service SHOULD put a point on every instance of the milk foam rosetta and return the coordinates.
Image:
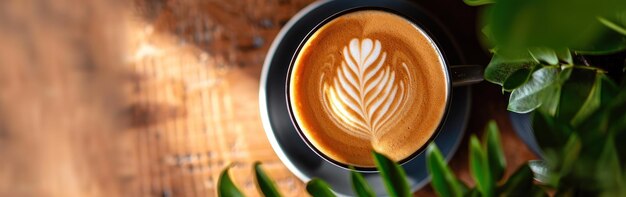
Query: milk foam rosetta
(368, 80)
(365, 92)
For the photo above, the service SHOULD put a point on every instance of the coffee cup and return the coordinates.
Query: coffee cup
(370, 79)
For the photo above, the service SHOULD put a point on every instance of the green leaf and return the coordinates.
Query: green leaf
(591, 103)
(565, 192)
(612, 25)
(609, 90)
(443, 180)
(516, 79)
(561, 155)
(521, 24)
(501, 67)
(393, 176)
(226, 187)
(550, 98)
(570, 153)
(544, 55)
(526, 98)
(478, 2)
(550, 132)
(608, 171)
(519, 184)
(318, 188)
(480, 169)
(609, 42)
(537, 191)
(621, 148)
(487, 39)
(614, 98)
(576, 92)
(616, 110)
(610, 116)
(564, 55)
(359, 185)
(493, 148)
(473, 193)
(565, 74)
(551, 95)
(464, 187)
(622, 192)
(540, 171)
(265, 183)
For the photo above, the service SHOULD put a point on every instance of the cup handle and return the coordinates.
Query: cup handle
(461, 75)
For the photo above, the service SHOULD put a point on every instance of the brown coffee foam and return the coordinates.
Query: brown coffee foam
(410, 127)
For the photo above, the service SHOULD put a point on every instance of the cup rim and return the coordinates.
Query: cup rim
(434, 43)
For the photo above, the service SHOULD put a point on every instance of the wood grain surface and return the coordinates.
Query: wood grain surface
(197, 66)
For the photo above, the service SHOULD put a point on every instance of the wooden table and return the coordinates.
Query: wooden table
(196, 68)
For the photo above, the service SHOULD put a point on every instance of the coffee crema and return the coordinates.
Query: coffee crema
(368, 80)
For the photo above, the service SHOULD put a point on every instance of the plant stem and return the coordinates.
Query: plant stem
(582, 67)
(590, 68)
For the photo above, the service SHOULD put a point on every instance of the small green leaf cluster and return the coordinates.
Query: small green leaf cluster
(538, 44)
(583, 147)
(487, 164)
(226, 187)
(533, 77)
(487, 167)
(579, 113)
(393, 175)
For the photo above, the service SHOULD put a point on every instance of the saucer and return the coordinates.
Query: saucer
(282, 135)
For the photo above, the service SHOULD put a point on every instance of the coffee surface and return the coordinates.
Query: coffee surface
(368, 80)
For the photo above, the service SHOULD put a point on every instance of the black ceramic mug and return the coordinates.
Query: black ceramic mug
(455, 75)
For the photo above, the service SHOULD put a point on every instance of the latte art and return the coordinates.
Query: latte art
(365, 93)
(367, 81)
